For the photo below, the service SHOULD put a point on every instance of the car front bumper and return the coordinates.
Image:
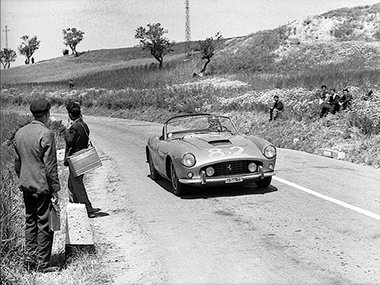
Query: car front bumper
(203, 180)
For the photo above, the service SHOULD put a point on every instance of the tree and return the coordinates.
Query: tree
(28, 47)
(152, 39)
(72, 37)
(207, 48)
(7, 56)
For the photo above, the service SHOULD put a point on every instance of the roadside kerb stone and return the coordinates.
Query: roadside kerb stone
(78, 227)
(331, 153)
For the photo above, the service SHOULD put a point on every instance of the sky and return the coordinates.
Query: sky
(112, 23)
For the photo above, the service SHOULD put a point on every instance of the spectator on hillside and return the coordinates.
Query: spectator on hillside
(324, 103)
(71, 84)
(334, 101)
(322, 94)
(32, 60)
(368, 96)
(276, 109)
(345, 100)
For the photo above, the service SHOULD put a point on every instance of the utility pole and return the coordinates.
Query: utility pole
(187, 27)
(6, 36)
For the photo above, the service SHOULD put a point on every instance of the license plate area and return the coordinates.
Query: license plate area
(233, 180)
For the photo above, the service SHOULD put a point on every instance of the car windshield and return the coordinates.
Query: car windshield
(180, 126)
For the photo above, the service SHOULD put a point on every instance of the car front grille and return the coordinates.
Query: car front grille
(232, 167)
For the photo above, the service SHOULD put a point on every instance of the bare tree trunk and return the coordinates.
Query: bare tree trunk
(206, 63)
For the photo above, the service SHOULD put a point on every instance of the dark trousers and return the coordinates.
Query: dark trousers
(38, 237)
(77, 192)
(273, 113)
(325, 109)
(335, 108)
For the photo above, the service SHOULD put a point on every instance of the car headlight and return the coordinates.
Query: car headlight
(210, 171)
(252, 167)
(188, 160)
(269, 151)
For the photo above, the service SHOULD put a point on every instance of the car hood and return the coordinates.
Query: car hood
(232, 146)
(209, 141)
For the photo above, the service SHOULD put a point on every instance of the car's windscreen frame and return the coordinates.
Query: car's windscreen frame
(197, 123)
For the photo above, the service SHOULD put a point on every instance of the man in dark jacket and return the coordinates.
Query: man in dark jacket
(36, 167)
(77, 137)
(345, 100)
(334, 101)
(277, 107)
(324, 101)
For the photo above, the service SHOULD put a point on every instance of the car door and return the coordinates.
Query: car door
(163, 150)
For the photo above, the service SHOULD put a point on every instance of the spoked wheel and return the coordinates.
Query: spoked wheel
(153, 172)
(178, 187)
(265, 182)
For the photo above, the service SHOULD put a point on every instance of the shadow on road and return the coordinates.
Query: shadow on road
(221, 191)
(101, 214)
(230, 191)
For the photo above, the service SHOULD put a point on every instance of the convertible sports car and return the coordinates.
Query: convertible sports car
(205, 150)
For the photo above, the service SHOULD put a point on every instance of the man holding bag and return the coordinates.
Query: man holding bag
(36, 167)
(77, 138)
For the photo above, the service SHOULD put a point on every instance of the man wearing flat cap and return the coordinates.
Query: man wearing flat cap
(36, 167)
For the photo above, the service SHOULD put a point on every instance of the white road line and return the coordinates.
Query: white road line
(327, 198)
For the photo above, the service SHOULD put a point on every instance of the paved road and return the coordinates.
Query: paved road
(282, 235)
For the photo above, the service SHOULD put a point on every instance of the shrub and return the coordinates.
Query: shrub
(344, 31)
(376, 34)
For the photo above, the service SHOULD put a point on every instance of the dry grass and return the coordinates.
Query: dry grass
(217, 95)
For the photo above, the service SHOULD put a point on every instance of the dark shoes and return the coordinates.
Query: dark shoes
(32, 266)
(92, 214)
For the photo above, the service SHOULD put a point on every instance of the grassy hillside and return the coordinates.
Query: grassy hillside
(291, 61)
(63, 68)
(343, 40)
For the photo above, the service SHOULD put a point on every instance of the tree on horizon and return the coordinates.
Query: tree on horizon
(72, 37)
(152, 39)
(7, 56)
(28, 47)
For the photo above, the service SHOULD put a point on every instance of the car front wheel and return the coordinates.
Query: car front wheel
(178, 187)
(265, 182)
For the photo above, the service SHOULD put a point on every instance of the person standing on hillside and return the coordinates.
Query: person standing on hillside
(36, 167)
(277, 107)
(77, 137)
